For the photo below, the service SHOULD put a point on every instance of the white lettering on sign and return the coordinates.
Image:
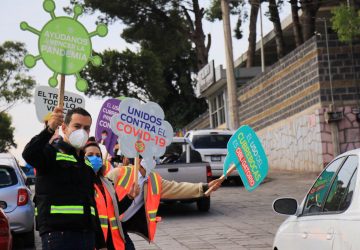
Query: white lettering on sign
(46, 99)
(65, 45)
(206, 76)
(67, 38)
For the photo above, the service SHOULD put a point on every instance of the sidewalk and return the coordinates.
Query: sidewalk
(237, 218)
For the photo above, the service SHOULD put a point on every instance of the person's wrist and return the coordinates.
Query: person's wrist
(50, 130)
(205, 187)
(130, 196)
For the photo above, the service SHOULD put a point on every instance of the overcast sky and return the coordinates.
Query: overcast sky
(12, 12)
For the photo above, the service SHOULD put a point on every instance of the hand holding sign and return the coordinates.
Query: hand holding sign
(56, 118)
(142, 129)
(246, 154)
(46, 99)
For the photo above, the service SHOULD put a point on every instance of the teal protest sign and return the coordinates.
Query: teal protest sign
(64, 45)
(247, 154)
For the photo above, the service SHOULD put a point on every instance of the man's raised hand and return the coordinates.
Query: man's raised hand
(56, 119)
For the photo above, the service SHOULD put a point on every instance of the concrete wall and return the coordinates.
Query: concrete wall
(294, 143)
(287, 88)
(286, 105)
(202, 122)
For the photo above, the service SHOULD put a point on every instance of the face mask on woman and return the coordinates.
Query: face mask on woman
(78, 138)
(96, 162)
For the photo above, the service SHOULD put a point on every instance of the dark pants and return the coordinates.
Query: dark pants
(129, 245)
(68, 240)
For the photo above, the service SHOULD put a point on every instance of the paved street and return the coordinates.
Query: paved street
(237, 219)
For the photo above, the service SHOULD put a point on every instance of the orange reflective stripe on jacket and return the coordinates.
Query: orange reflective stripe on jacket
(126, 178)
(108, 167)
(107, 218)
(152, 199)
(152, 202)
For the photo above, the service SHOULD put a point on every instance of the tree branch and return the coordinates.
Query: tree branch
(7, 108)
(208, 42)
(188, 18)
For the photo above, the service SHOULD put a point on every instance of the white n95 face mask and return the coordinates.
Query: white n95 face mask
(78, 138)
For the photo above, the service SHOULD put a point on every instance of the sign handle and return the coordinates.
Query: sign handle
(62, 83)
(61, 92)
(221, 179)
(136, 166)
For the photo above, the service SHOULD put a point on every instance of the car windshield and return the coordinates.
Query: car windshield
(7, 177)
(172, 153)
(210, 141)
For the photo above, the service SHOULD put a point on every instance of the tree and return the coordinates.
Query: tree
(6, 133)
(134, 12)
(196, 33)
(309, 9)
(296, 22)
(346, 23)
(162, 70)
(236, 8)
(14, 84)
(274, 17)
(255, 4)
(126, 73)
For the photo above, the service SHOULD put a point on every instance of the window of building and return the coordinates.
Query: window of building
(217, 110)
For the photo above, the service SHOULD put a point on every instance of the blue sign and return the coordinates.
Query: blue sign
(247, 154)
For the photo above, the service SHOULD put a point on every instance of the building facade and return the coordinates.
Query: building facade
(303, 114)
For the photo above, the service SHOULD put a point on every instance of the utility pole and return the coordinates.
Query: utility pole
(230, 76)
(262, 41)
(332, 108)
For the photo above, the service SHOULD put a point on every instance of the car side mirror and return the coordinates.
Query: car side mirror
(286, 206)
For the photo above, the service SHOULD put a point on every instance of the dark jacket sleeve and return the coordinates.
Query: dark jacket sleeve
(35, 152)
(124, 204)
(99, 237)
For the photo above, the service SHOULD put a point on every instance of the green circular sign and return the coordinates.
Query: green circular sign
(65, 45)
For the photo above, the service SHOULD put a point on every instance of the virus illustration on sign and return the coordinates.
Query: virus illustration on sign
(64, 45)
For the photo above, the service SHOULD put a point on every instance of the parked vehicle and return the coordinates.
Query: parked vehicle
(29, 172)
(15, 199)
(212, 145)
(5, 233)
(183, 164)
(329, 215)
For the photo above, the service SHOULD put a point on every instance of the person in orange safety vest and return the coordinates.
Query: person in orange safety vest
(140, 217)
(108, 206)
(107, 167)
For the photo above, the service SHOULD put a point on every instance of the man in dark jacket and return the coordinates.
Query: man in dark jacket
(64, 193)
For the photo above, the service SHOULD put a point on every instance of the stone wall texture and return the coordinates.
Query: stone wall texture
(286, 105)
(202, 122)
(294, 143)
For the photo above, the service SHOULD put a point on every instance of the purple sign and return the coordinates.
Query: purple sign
(103, 132)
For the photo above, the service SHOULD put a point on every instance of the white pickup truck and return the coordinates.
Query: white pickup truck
(181, 163)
